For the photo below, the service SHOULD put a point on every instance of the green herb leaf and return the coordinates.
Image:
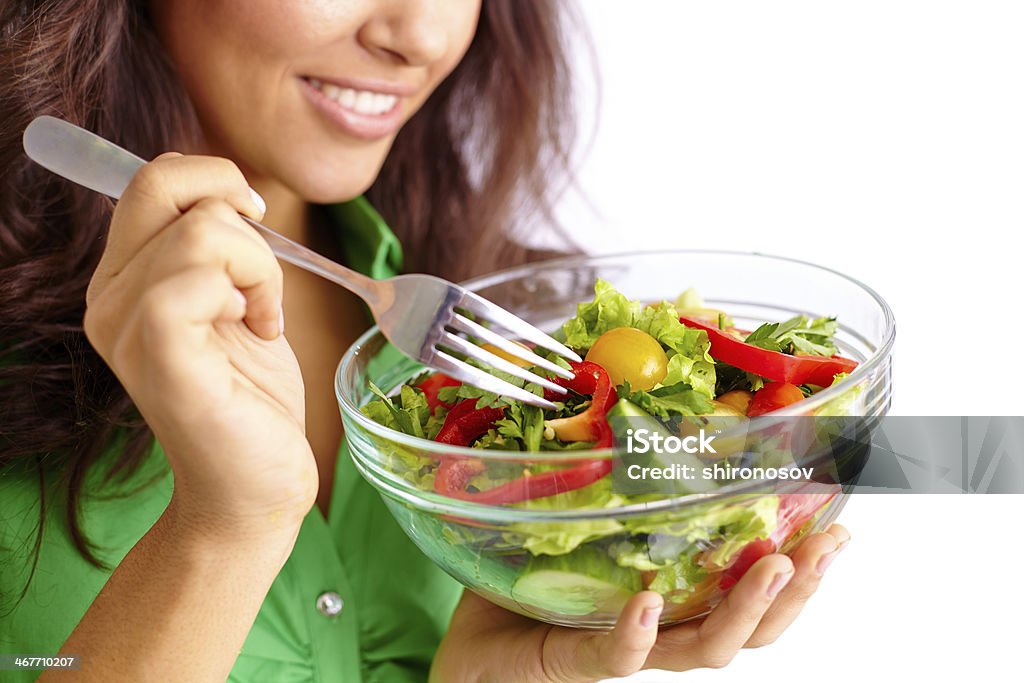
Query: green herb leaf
(797, 335)
(409, 416)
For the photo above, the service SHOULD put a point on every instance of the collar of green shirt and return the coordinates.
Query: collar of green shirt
(366, 240)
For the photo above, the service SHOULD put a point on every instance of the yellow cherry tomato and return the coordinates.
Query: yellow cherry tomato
(722, 422)
(725, 409)
(629, 355)
(738, 399)
(500, 353)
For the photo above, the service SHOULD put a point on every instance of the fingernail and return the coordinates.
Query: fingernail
(779, 582)
(259, 200)
(826, 560)
(241, 298)
(649, 617)
(280, 322)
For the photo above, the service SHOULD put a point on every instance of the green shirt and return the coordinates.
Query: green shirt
(396, 603)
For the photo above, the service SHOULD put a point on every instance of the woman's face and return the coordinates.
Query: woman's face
(310, 93)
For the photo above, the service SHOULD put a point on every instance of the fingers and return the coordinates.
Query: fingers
(757, 609)
(811, 559)
(576, 656)
(212, 234)
(162, 191)
(716, 640)
(196, 297)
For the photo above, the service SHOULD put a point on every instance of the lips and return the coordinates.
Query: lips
(367, 111)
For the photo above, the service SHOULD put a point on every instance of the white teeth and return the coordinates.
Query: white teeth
(364, 102)
(359, 101)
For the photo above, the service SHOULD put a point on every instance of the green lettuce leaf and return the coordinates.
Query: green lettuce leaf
(678, 399)
(741, 527)
(561, 537)
(678, 579)
(609, 310)
(843, 405)
(724, 527)
(634, 552)
(687, 348)
(650, 552)
(676, 570)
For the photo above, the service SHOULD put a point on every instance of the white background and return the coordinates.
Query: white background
(884, 139)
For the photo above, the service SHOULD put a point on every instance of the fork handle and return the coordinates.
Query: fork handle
(96, 163)
(292, 252)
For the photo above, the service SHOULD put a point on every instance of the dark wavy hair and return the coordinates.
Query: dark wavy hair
(499, 127)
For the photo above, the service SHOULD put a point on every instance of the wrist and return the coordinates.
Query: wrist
(210, 533)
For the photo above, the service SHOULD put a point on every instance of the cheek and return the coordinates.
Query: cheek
(235, 56)
(258, 29)
(463, 19)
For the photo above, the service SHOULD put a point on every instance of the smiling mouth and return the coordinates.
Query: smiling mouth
(362, 102)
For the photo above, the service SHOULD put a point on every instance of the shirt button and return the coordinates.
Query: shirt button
(329, 604)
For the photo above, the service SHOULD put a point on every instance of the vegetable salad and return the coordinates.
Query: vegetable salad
(666, 361)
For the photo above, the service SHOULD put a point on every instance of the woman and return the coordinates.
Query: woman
(174, 505)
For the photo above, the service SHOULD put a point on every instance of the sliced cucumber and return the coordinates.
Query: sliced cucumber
(576, 584)
(626, 415)
(626, 408)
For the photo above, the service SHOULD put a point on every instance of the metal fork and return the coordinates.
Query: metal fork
(421, 315)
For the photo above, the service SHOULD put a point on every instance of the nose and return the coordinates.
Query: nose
(413, 32)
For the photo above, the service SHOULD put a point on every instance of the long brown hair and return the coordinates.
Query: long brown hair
(486, 145)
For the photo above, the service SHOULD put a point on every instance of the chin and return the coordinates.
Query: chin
(326, 191)
(337, 178)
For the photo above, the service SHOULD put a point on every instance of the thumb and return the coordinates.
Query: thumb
(620, 652)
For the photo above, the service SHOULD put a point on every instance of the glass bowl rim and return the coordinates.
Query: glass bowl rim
(353, 411)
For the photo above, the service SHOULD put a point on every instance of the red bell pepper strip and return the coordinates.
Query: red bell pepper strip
(454, 474)
(772, 396)
(465, 422)
(432, 385)
(592, 423)
(772, 365)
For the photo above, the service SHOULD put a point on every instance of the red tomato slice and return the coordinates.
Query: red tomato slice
(772, 396)
(433, 384)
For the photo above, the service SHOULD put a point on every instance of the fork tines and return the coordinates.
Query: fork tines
(490, 313)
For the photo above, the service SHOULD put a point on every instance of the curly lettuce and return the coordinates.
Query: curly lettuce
(687, 348)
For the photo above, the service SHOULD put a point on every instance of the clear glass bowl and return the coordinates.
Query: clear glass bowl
(576, 566)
